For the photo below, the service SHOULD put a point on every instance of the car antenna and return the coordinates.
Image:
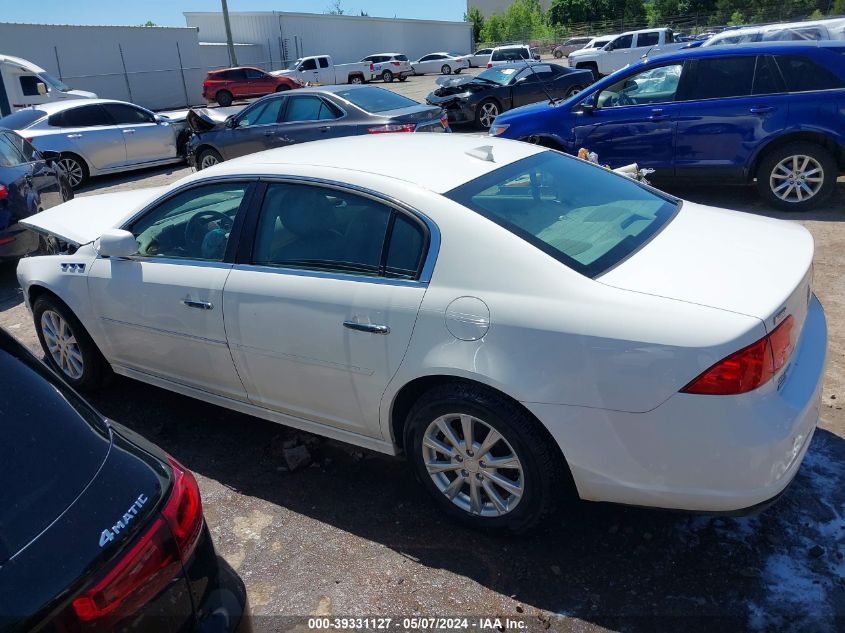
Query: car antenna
(552, 100)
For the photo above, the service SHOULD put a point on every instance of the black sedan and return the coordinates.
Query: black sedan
(100, 530)
(30, 181)
(306, 114)
(481, 99)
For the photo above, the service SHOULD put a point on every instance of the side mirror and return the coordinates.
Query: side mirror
(49, 155)
(587, 108)
(229, 122)
(117, 243)
(41, 87)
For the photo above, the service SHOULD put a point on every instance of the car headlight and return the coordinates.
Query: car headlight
(496, 130)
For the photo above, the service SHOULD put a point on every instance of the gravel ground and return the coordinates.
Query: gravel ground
(352, 535)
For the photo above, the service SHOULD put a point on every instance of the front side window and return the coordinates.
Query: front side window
(252, 73)
(802, 74)
(720, 78)
(583, 215)
(265, 113)
(308, 109)
(193, 224)
(655, 85)
(29, 85)
(309, 64)
(123, 114)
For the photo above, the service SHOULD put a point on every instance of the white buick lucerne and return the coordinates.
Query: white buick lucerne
(521, 324)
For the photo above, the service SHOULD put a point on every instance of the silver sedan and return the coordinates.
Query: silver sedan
(100, 136)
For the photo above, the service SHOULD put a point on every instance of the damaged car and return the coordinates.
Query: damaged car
(309, 114)
(481, 99)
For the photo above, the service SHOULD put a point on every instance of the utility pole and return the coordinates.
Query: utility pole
(232, 57)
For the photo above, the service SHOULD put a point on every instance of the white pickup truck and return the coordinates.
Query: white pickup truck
(622, 50)
(319, 69)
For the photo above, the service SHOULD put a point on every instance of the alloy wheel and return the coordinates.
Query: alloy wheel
(473, 465)
(208, 160)
(73, 170)
(796, 178)
(62, 344)
(489, 111)
(574, 90)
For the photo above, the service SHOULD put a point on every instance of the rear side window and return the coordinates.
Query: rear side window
(324, 62)
(372, 99)
(719, 78)
(21, 119)
(401, 58)
(405, 251)
(122, 114)
(648, 39)
(589, 228)
(308, 109)
(803, 74)
(86, 116)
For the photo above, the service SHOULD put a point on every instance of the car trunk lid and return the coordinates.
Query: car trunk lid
(83, 220)
(728, 260)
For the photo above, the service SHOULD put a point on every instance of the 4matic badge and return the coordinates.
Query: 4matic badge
(107, 535)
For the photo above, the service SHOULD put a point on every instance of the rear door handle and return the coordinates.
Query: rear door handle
(202, 305)
(372, 328)
(325, 128)
(74, 135)
(658, 115)
(128, 131)
(761, 109)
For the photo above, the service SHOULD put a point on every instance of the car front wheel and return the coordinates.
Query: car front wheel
(68, 348)
(446, 69)
(486, 113)
(208, 158)
(486, 462)
(75, 170)
(797, 176)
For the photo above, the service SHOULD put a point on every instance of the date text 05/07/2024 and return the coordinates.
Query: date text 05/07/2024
(417, 624)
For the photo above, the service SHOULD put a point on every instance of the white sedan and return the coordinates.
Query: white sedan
(521, 324)
(443, 63)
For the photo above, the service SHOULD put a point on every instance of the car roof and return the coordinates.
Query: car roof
(66, 104)
(751, 48)
(436, 162)
(512, 46)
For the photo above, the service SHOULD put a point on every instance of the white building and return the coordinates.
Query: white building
(271, 39)
(157, 67)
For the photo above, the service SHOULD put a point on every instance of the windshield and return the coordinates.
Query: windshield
(375, 99)
(54, 83)
(21, 119)
(499, 75)
(583, 215)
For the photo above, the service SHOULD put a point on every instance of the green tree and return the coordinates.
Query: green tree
(474, 15)
(522, 20)
(737, 18)
(149, 23)
(838, 7)
(563, 12)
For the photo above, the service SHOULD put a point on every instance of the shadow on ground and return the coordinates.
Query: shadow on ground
(620, 568)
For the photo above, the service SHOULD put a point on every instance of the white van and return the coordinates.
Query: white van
(23, 84)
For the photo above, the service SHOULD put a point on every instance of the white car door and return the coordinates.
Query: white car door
(320, 314)
(147, 139)
(618, 56)
(161, 311)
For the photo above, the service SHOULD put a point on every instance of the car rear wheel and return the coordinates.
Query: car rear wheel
(592, 67)
(403, 77)
(558, 54)
(484, 460)
(446, 69)
(356, 79)
(208, 157)
(573, 90)
(486, 113)
(797, 176)
(75, 169)
(68, 348)
(224, 98)
(387, 77)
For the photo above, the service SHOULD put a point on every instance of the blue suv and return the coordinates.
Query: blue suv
(770, 112)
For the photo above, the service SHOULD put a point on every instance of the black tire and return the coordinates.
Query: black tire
(208, 157)
(545, 477)
(445, 69)
(66, 189)
(387, 77)
(75, 169)
(224, 98)
(95, 370)
(825, 165)
(282, 88)
(356, 79)
(592, 67)
(458, 71)
(403, 77)
(483, 111)
(558, 54)
(573, 90)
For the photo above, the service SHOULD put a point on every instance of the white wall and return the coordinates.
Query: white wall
(89, 59)
(345, 38)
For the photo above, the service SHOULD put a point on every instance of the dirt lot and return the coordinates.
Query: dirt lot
(352, 535)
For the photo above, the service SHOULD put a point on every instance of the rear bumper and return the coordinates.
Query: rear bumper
(699, 453)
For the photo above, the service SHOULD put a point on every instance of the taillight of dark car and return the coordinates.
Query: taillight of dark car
(750, 367)
(4, 192)
(392, 127)
(147, 566)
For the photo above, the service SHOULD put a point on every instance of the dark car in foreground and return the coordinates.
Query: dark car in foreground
(772, 112)
(100, 530)
(480, 99)
(30, 181)
(309, 114)
(228, 84)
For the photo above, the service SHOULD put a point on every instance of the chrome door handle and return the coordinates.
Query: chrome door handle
(658, 115)
(367, 327)
(761, 109)
(129, 131)
(202, 305)
(74, 135)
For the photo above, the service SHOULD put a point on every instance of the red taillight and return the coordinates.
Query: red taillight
(392, 127)
(372, 68)
(444, 121)
(4, 192)
(750, 367)
(396, 63)
(489, 64)
(150, 564)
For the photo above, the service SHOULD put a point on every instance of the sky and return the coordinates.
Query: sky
(169, 12)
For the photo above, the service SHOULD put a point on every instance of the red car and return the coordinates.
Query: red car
(228, 84)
